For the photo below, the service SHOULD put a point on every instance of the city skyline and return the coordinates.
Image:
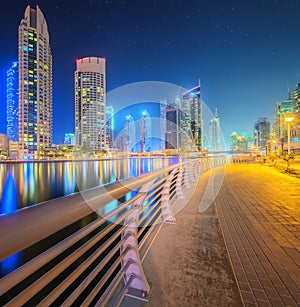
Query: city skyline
(244, 81)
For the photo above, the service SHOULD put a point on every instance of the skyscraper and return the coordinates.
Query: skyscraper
(238, 142)
(192, 119)
(162, 106)
(129, 134)
(215, 133)
(172, 127)
(35, 84)
(12, 102)
(109, 126)
(262, 132)
(283, 108)
(145, 132)
(295, 131)
(90, 103)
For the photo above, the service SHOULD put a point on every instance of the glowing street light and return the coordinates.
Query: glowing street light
(288, 119)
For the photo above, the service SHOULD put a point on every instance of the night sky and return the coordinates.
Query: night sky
(246, 53)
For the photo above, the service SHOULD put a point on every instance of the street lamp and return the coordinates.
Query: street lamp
(288, 119)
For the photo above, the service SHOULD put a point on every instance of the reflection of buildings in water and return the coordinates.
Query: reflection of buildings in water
(36, 182)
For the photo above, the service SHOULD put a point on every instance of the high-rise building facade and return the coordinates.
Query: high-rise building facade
(172, 127)
(129, 139)
(283, 108)
(90, 103)
(109, 126)
(238, 143)
(145, 132)
(162, 107)
(215, 133)
(192, 119)
(262, 132)
(35, 84)
(12, 102)
(295, 131)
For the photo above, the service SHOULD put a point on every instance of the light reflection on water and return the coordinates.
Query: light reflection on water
(24, 184)
(36, 182)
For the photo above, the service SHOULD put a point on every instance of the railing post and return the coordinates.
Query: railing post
(194, 173)
(186, 176)
(202, 167)
(190, 171)
(139, 287)
(197, 169)
(167, 213)
(179, 192)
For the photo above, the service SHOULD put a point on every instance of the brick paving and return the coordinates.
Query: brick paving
(259, 214)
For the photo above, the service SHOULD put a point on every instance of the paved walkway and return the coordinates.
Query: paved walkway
(259, 212)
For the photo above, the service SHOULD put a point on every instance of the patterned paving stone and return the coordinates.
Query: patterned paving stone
(259, 213)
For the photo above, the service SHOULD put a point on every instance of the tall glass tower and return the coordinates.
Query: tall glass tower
(12, 102)
(172, 125)
(145, 132)
(90, 103)
(35, 84)
(110, 126)
(192, 119)
(215, 133)
(262, 132)
(129, 134)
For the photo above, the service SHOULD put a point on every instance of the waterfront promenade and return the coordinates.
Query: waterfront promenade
(244, 250)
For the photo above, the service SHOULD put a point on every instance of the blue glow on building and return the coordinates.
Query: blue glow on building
(12, 102)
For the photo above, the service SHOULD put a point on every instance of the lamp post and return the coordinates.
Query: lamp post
(288, 119)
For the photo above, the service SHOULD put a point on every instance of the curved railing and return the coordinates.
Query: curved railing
(101, 262)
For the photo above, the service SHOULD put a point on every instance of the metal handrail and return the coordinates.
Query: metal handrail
(10, 280)
(67, 282)
(113, 285)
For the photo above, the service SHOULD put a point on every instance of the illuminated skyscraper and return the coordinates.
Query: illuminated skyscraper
(109, 127)
(145, 132)
(262, 132)
(12, 102)
(191, 122)
(215, 133)
(162, 106)
(295, 127)
(35, 84)
(238, 142)
(90, 103)
(172, 126)
(282, 109)
(129, 134)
